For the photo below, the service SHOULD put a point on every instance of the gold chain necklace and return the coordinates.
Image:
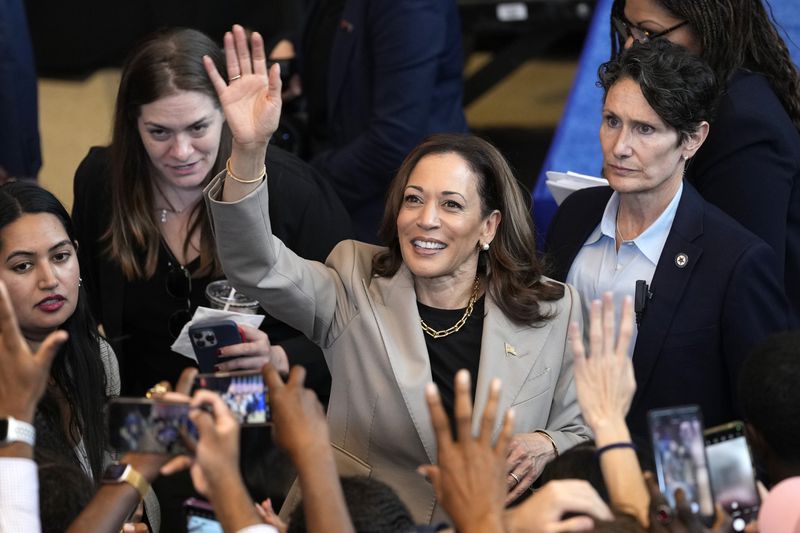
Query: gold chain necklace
(436, 334)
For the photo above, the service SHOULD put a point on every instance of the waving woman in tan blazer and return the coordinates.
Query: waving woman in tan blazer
(458, 286)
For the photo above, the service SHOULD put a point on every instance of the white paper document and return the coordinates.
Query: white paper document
(562, 184)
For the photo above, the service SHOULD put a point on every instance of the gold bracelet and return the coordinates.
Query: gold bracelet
(555, 448)
(245, 182)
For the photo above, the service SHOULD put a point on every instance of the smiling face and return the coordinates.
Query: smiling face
(650, 15)
(641, 153)
(181, 134)
(40, 269)
(440, 223)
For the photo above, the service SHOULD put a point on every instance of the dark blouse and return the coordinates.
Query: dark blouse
(148, 337)
(461, 349)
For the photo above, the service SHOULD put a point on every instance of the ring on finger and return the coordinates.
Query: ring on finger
(516, 478)
(156, 390)
(235, 78)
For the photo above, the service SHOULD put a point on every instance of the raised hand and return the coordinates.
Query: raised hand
(469, 479)
(605, 385)
(251, 99)
(24, 374)
(604, 378)
(299, 421)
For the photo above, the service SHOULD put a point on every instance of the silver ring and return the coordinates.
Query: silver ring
(516, 477)
(235, 78)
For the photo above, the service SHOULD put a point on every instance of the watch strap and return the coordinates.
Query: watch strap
(133, 478)
(19, 431)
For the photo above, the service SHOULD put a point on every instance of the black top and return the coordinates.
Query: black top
(461, 349)
(317, 44)
(146, 327)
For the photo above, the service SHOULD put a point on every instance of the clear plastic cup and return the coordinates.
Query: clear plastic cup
(219, 296)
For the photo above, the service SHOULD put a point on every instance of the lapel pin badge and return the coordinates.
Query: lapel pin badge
(681, 260)
(346, 25)
(510, 350)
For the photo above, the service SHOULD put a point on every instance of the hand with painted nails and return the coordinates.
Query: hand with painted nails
(470, 477)
(252, 354)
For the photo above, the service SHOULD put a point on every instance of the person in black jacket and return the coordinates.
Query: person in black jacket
(708, 289)
(750, 164)
(146, 245)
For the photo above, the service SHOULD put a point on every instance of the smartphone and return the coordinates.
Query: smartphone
(731, 466)
(680, 457)
(244, 392)
(200, 517)
(209, 337)
(150, 426)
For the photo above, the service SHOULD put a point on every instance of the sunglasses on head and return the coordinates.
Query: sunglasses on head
(179, 285)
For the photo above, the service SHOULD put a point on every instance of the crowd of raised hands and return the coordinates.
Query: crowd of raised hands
(470, 476)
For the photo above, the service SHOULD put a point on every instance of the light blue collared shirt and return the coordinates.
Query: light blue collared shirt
(599, 267)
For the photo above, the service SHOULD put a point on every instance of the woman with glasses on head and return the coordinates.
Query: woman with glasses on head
(750, 164)
(147, 247)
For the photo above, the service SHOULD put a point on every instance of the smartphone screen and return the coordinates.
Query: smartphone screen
(731, 468)
(244, 392)
(200, 517)
(152, 426)
(679, 450)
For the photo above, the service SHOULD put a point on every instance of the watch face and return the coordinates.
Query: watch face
(114, 472)
(3, 429)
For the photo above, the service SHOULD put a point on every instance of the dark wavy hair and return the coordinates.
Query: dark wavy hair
(735, 34)
(164, 63)
(681, 88)
(512, 269)
(769, 394)
(77, 372)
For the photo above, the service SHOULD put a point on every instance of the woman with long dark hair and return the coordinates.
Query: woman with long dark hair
(40, 269)
(750, 164)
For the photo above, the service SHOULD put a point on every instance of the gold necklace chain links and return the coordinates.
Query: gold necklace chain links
(437, 334)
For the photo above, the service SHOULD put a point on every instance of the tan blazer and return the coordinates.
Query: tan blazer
(370, 333)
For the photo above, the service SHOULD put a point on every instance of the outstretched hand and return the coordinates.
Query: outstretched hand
(604, 378)
(299, 422)
(251, 99)
(470, 478)
(24, 374)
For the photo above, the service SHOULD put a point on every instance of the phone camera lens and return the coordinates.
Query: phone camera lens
(210, 338)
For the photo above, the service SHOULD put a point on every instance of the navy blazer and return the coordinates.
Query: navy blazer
(395, 76)
(750, 168)
(703, 318)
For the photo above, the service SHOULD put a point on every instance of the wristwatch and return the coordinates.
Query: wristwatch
(125, 473)
(13, 430)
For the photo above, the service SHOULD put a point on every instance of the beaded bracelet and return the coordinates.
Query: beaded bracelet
(245, 182)
(600, 451)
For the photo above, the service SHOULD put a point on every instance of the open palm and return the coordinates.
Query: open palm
(251, 100)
